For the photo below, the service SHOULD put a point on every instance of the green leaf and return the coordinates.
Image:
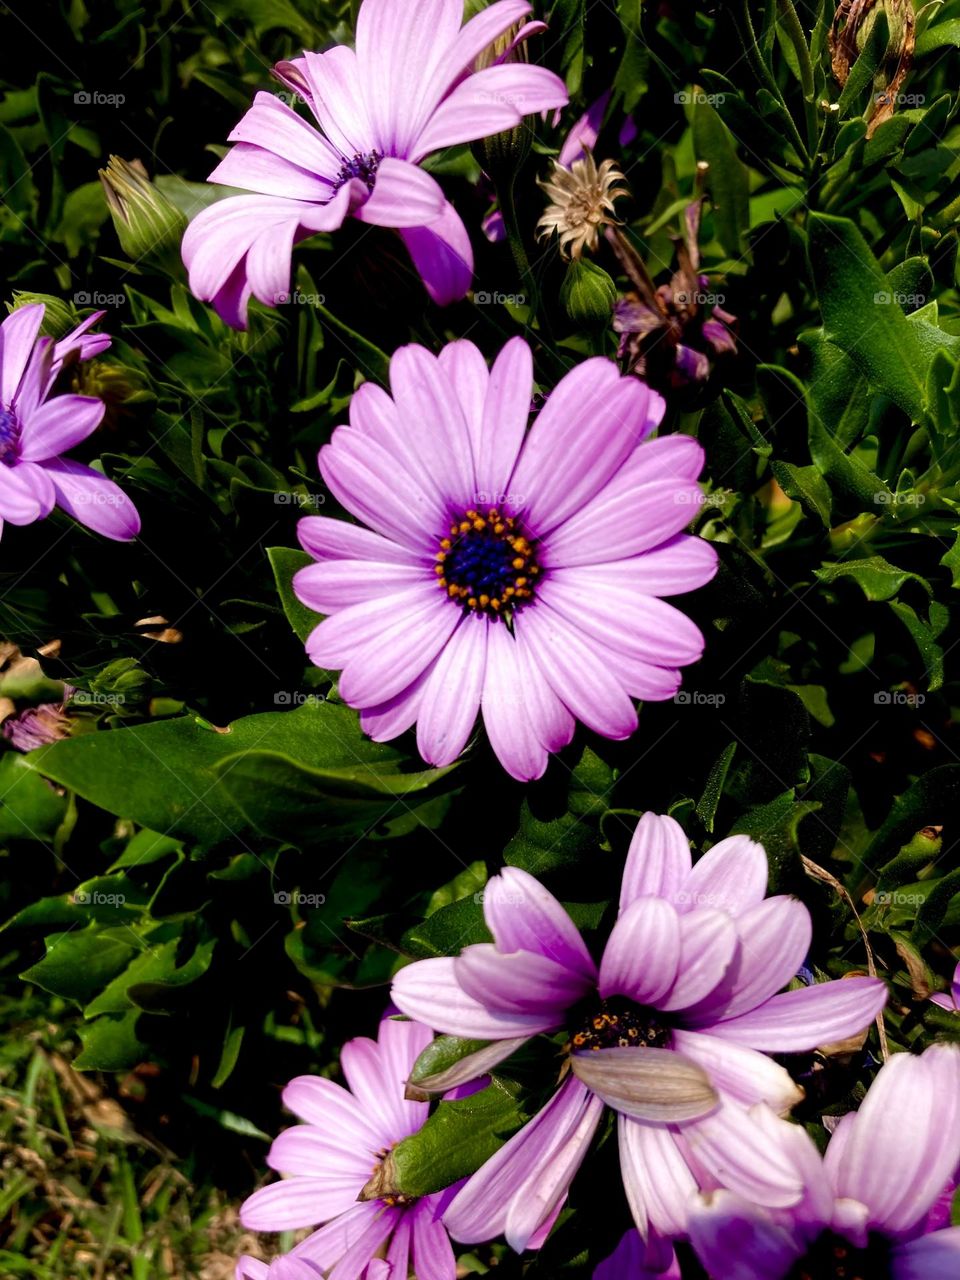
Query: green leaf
(925, 636)
(559, 821)
(202, 784)
(807, 486)
(877, 578)
(285, 562)
(456, 1140)
(78, 964)
(30, 808)
(448, 930)
(860, 315)
(707, 804)
(111, 1043)
(726, 180)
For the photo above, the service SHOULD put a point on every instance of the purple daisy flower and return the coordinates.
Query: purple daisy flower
(345, 1137)
(672, 1030)
(866, 1205)
(292, 1268)
(36, 428)
(408, 90)
(516, 574)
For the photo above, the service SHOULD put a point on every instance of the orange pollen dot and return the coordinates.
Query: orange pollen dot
(487, 563)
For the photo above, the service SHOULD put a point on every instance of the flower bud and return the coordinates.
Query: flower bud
(588, 294)
(59, 317)
(502, 154)
(149, 227)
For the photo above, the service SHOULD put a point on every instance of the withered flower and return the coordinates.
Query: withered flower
(582, 203)
(852, 26)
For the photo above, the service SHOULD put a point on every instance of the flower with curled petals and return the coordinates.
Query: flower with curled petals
(503, 571)
(37, 428)
(331, 1158)
(671, 1029)
(866, 1209)
(408, 90)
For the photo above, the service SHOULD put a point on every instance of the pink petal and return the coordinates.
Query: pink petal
(593, 415)
(339, 639)
(336, 96)
(466, 370)
(898, 1170)
(551, 722)
(743, 1074)
(451, 694)
(656, 1179)
(337, 584)
(658, 861)
(642, 953)
(681, 564)
(383, 667)
(403, 196)
(577, 674)
(621, 621)
(708, 947)
(324, 1247)
(741, 1157)
(18, 333)
(524, 916)
(58, 425)
(731, 877)
(522, 1183)
(933, 1257)
(800, 1020)
(506, 409)
(36, 480)
(619, 523)
(91, 498)
(368, 1242)
(424, 395)
(324, 538)
(521, 982)
(293, 1203)
(443, 256)
(389, 719)
(308, 1151)
(429, 992)
(489, 102)
(585, 132)
(377, 1072)
(19, 502)
(332, 1109)
(739, 1241)
(432, 1253)
(505, 718)
(271, 126)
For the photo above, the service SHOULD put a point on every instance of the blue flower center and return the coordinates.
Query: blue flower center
(833, 1258)
(487, 564)
(361, 166)
(9, 434)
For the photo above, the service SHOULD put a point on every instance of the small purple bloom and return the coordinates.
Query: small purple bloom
(867, 1202)
(949, 1000)
(346, 1136)
(509, 572)
(672, 1030)
(39, 726)
(36, 428)
(408, 90)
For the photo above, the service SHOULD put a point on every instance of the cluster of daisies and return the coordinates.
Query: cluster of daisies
(673, 1028)
(515, 572)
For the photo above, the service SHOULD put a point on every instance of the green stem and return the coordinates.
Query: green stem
(508, 207)
(751, 49)
(796, 37)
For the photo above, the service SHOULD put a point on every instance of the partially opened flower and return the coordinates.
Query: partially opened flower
(37, 428)
(40, 725)
(332, 1158)
(509, 572)
(407, 91)
(865, 1210)
(671, 1029)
